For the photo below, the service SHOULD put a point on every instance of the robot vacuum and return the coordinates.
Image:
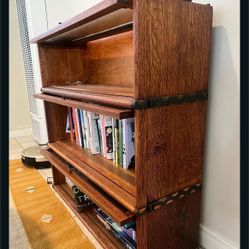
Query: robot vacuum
(32, 157)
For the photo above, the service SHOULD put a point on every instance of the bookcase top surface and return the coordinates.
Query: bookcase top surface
(106, 18)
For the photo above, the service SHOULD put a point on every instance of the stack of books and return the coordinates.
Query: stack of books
(126, 234)
(112, 138)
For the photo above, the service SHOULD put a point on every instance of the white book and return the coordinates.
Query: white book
(128, 142)
(87, 129)
(94, 139)
(108, 137)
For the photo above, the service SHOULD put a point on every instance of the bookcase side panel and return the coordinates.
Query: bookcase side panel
(174, 226)
(62, 65)
(56, 116)
(172, 47)
(169, 149)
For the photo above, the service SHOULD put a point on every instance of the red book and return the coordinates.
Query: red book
(75, 126)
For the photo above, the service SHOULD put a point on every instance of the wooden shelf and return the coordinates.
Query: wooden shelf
(88, 218)
(117, 182)
(98, 196)
(119, 97)
(104, 110)
(104, 19)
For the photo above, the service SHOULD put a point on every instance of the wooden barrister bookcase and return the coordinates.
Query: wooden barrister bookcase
(150, 60)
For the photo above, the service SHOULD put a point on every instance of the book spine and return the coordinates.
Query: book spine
(113, 141)
(83, 129)
(128, 142)
(71, 124)
(94, 133)
(100, 136)
(86, 126)
(102, 120)
(120, 143)
(108, 135)
(88, 114)
(116, 143)
(75, 126)
(124, 151)
(79, 127)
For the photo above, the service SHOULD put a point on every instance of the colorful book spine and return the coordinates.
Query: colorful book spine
(115, 141)
(102, 121)
(116, 144)
(71, 124)
(79, 127)
(94, 141)
(108, 137)
(75, 126)
(120, 143)
(128, 142)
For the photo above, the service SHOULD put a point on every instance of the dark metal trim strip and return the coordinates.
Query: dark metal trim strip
(154, 205)
(169, 100)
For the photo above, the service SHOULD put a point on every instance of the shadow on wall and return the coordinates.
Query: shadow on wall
(220, 205)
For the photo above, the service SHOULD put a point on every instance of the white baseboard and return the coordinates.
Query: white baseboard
(213, 240)
(20, 133)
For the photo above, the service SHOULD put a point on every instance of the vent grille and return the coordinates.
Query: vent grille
(36, 128)
(27, 57)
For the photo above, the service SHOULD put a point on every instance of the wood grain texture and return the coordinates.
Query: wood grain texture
(100, 89)
(110, 61)
(175, 226)
(169, 148)
(107, 204)
(172, 47)
(107, 111)
(97, 98)
(90, 15)
(56, 117)
(60, 65)
(89, 219)
(58, 178)
(115, 181)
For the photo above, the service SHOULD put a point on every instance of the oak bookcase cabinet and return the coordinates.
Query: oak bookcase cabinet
(150, 60)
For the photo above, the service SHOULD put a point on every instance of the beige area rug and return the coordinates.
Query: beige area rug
(47, 223)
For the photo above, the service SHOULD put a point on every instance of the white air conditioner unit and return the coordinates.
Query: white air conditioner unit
(32, 22)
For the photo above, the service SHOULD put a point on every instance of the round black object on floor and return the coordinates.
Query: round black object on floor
(32, 156)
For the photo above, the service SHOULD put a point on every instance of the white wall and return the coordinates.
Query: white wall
(60, 11)
(19, 117)
(220, 211)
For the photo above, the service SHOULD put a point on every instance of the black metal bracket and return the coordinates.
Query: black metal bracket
(169, 100)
